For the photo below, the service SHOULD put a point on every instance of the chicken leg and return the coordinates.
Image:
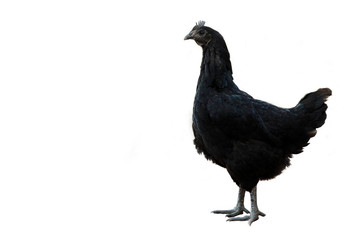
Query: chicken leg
(255, 212)
(238, 209)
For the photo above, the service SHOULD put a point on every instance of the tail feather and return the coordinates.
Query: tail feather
(311, 112)
(316, 99)
(314, 107)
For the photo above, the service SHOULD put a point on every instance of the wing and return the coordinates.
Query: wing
(240, 118)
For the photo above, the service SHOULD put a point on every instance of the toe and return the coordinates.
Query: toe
(223, 211)
(253, 219)
(237, 212)
(244, 218)
(233, 214)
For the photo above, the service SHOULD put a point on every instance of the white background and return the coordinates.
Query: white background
(95, 118)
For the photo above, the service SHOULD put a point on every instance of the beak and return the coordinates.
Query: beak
(190, 35)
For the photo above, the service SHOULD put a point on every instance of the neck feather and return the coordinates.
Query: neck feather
(216, 68)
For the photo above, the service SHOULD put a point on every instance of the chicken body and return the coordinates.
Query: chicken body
(252, 139)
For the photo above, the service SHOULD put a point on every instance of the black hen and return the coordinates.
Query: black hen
(252, 139)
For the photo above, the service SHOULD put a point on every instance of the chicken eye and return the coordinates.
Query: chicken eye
(202, 32)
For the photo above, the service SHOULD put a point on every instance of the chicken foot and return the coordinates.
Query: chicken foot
(255, 212)
(238, 209)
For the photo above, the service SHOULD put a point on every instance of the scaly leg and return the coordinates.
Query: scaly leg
(255, 212)
(238, 209)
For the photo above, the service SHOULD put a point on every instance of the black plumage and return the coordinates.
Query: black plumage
(254, 140)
